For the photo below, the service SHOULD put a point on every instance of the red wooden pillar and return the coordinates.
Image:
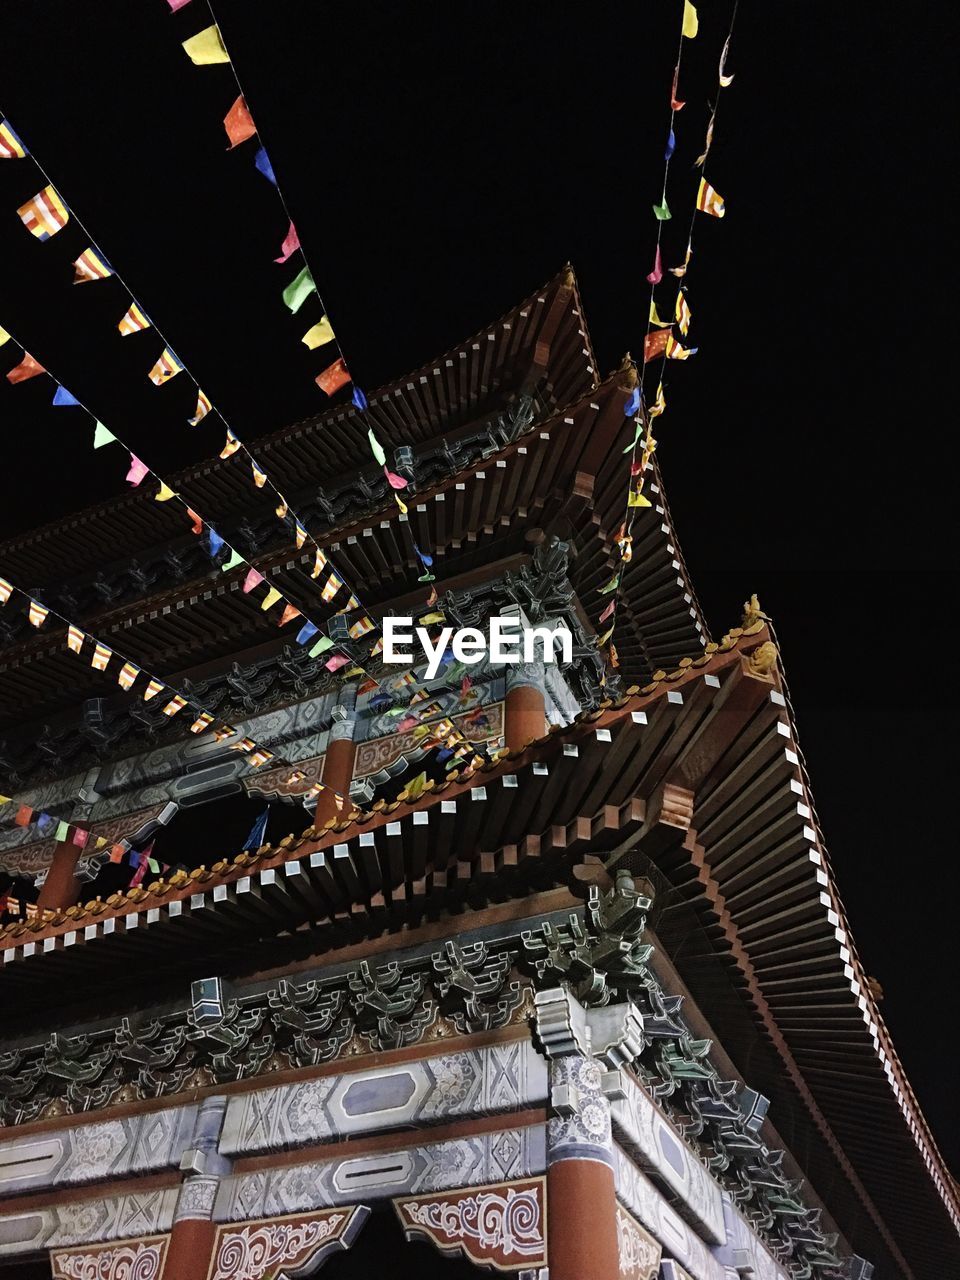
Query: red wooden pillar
(61, 888)
(339, 760)
(194, 1230)
(582, 1220)
(524, 710)
(191, 1249)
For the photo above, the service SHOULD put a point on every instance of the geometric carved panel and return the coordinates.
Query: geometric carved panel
(283, 1248)
(502, 1226)
(639, 1252)
(118, 1260)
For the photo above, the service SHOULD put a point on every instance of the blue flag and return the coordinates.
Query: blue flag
(427, 560)
(262, 162)
(258, 833)
(671, 143)
(63, 396)
(359, 399)
(632, 406)
(216, 542)
(306, 632)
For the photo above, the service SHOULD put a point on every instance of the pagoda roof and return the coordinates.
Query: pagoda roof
(751, 914)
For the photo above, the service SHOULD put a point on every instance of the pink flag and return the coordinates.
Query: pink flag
(291, 244)
(137, 470)
(608, 611)
(393, 480)
(656, 275)
(253, 579)
(176, 4)
(336, 662)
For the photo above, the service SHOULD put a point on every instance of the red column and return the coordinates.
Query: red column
(61, 888)
(191, 1248)
(582, 1221)
(337, 774)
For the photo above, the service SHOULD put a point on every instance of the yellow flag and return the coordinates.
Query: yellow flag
(691, 23)
(270, 599)
(4, 336)
(319, 335)
(164, 493)
(206, 48)
(655, 319)
(636, 499)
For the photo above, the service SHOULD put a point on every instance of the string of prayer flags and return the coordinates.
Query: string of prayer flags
(299, 290)
(203, 721)
(319, 334)
(167, 367)
(134, 321)
(152, 689)
(62, 397)
(676, 352)
(654, 344)
(26, 369)
(253, 579)
(661, 211)
(282, 508)
(176, 703)
(708, 201)
(691, 23)
(101, 656)
(262, 162)
(11, 148)
(127, 676)
(205, 49)
(393, 480)
(270, 599)
(333, 377)
(291, 243)
(231, 446)
(238, 123)
(203, 408)
(137, 470)
(37, 613)
(90, 266)
(75, 638)
(260, 757)
(683, 315)
(45, 214)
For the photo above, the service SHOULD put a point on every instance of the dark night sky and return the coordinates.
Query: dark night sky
(441, 162)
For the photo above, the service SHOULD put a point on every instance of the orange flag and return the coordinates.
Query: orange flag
(27, 368)
(238, 123)
(333, 377)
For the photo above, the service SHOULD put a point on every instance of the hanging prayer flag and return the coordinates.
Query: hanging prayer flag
(270, 599)
(336, 662)
(133, 321)
(282, 509)
(90, 266)
(231, 446)
(638, 432)
(260, 757)
(306, 632)
(216, 542)
(671, 145)
(675, 103)
(290, 611)
(102, 436)
(238, 123)
(636, 499)
(661, 212)
(393, 480)
(610, 586)
(23, 816)
(262, 162)
(632, 406)
(691, 23)
(659, 404)
(676, 352)
(137, 470)
(203, 720)
(4, 337)
(291, 243)
(725, 80)
(176, 703)
(654, 345)
(164, 493)
(319, 564)
(299, 290)
(608, 611)
(359, 400)
(259, 477)
(656, 275)
(206, 48)
(6, 590)
(253, 579)
(37, 613)
(683, 316)
(319, 335)
(330, 590)
(708, 143)
(680, 272)
(152, 689)
(128, 674)
(333, 377)
(258, 833)
(101, 657)
(167, 367)
(375, 447)
(11, 148)
(322, 645)
(233, 561)
(27, 368)
(45, 214)
(64, 397)
(244, 744)
(708, 201)
(177, 4)
(360, 628)
(203, 408)
(224, 732)
(300, 534)
(75, 638)
(197, 525)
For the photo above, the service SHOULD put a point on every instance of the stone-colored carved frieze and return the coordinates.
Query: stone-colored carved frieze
(123, 1260)
(95, 1220)
(638, 1252)
(501, 1226)
(640, 1197)
(475, 1160)
(274, 1248)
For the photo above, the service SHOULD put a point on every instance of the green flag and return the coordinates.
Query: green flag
(235, 559)
(376, 447)
(102, 436)
(661, 212)
(322, 645)
(297, 292)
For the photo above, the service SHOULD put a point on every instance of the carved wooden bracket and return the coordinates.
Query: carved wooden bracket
(501, 1226)
(284, 1248)
(115, 1260)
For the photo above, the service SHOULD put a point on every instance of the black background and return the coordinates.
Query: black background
(441, 162)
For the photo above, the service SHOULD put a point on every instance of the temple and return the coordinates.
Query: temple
(565, 989)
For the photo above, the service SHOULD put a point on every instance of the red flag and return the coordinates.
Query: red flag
(654, 344)
(290, 612)
(23, 816)
(656, 275)
(27, 368)
(333, 377)
(675, 105)
(197, 525)
(291, 243)
(238, 123)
